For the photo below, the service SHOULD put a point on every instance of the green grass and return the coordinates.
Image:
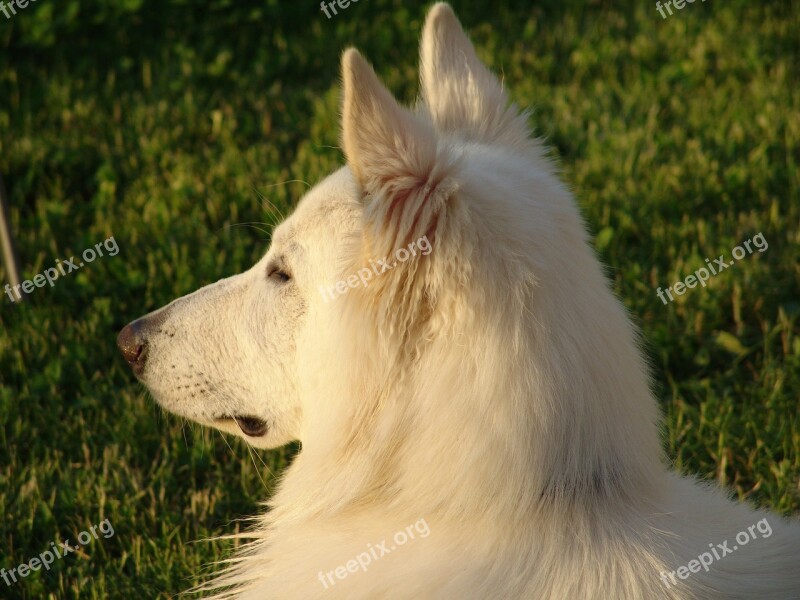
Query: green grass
(161, 122)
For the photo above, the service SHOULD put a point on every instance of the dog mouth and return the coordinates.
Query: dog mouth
(250, 426)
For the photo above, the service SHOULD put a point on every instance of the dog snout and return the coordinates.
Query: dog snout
(132, 343)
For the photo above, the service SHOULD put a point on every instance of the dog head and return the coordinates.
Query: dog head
(388, 242)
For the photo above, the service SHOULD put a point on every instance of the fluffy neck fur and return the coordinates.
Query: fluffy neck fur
(494, 373)
(498, 378)
(494, 388)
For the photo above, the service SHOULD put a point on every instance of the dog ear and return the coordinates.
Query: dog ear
(408, 191)
(394, 157)
(460, 93)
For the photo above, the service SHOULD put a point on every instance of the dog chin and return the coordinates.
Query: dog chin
(255, 430)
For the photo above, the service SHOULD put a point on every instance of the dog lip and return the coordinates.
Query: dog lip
(250, 426)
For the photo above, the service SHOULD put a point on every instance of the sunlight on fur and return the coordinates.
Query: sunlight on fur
(495, 389)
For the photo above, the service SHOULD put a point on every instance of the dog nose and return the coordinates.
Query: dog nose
(132, 343)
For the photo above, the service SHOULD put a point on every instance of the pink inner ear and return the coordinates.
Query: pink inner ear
(423, 190)
(399, 197)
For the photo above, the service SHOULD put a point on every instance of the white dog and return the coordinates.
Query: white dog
(491, 389)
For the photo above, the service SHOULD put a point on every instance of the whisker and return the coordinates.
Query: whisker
(224, 439)
(272, 208)
(258, 471)
(266, 466)
(229, 408)
(289, 181)
(252, 224)
(183, 432)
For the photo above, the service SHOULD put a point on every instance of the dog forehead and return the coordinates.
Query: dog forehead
(330, 208)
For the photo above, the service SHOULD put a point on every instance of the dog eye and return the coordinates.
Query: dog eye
(275, 273)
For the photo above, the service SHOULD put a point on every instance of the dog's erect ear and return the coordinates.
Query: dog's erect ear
(381, 138)
(409, 194)
(460, 93)
(393, 155)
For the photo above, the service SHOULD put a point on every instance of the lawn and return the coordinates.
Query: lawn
(170, 125)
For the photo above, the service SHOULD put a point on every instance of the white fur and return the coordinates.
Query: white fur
(494, 388)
